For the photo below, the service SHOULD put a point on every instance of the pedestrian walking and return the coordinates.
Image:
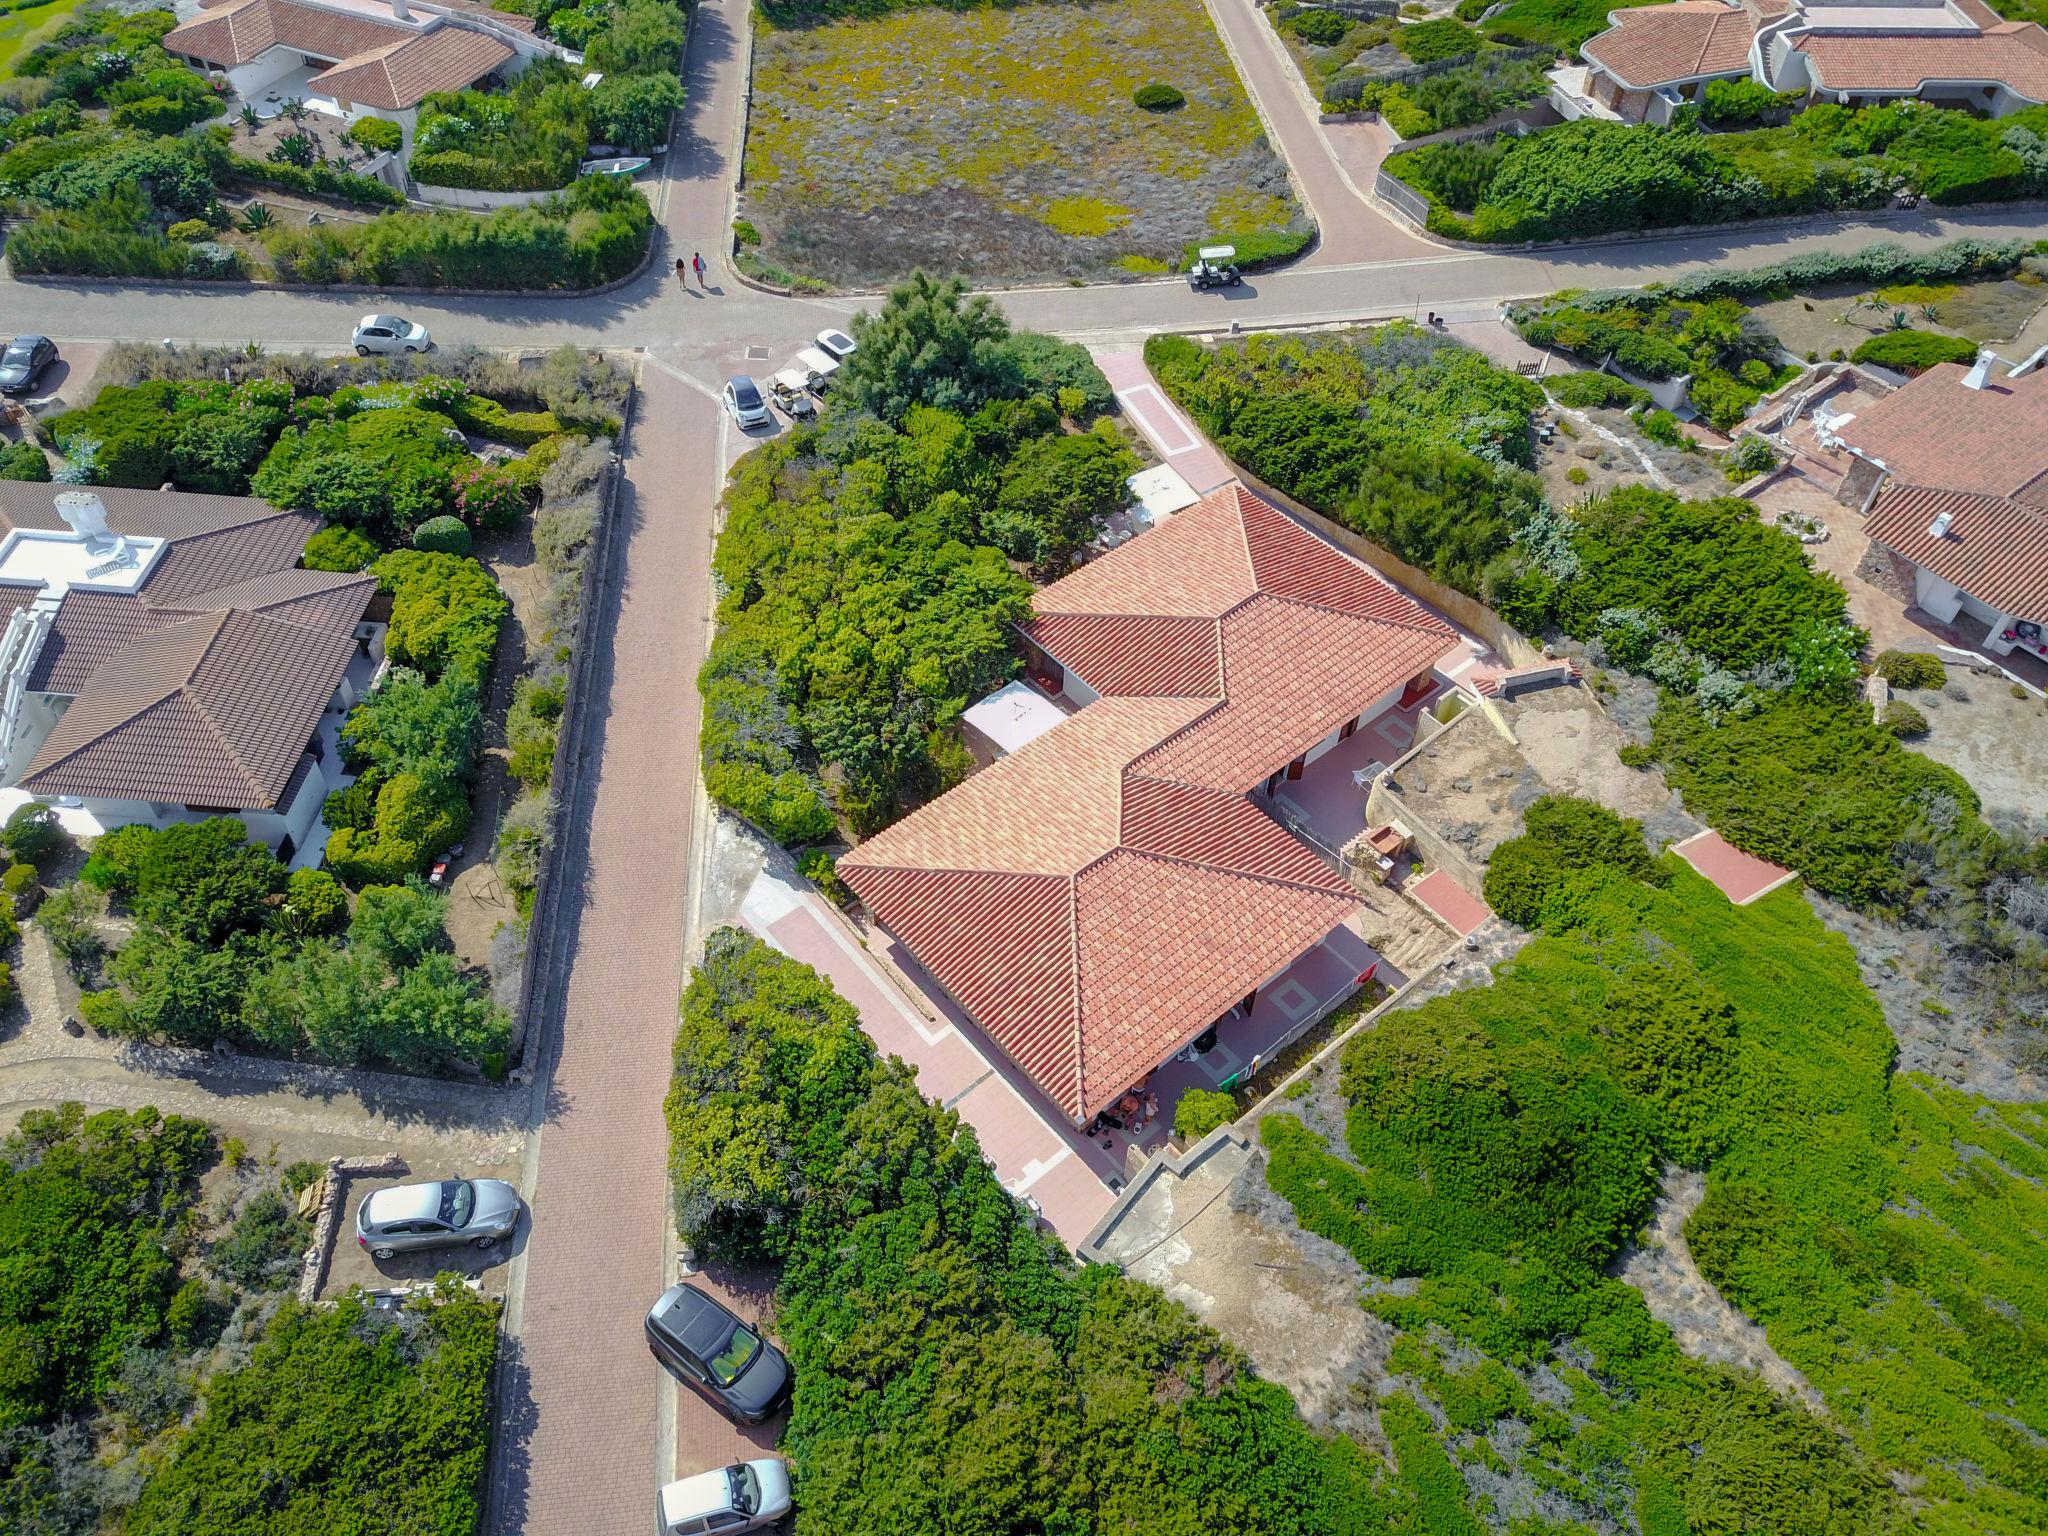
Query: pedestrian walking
(697, 261)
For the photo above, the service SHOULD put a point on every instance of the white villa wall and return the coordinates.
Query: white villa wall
(1941, 598)
(250, 80)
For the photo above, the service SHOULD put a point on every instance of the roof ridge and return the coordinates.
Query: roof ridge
(1233, 869)
(1427, 624)
(1080, 1099)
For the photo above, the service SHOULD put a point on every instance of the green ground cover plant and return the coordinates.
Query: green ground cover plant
(1591, 176)
(1454, 98)
(153, 1383)
(219, 951)
(1561, 24)
(1502, 1145)
(1730, 356)
(1038, 1395)
(1914, 352)
(1004, 142)
(1412, 439)
(868, 594)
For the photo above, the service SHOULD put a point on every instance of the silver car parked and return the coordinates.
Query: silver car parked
(390, 333)
(437, 1215)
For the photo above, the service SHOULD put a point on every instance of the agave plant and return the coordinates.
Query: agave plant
(1898, 321)
(295, 109)
(250, 120)
(1931, 313)
(256, 218)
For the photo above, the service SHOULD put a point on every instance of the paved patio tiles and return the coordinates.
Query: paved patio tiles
(1033, 1152)
(1741, 876)
(1450, 901)
(1328, 797)
(1146, 407)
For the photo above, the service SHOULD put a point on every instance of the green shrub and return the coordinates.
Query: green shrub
(443, 535)
(376, 134)
(417, 820)
(1914, 352)
(314, 903)
(744, 232)
(1199, 1111)
(190, 229)
(69, 918)
(1660, 426)
(1592, 391)
(485, 417)
(1902, 719)
(24, 461)
(336, 548)
(491, 497)
(818, 866)
(1158, 97)
(1577, 475)
(1426, 42)
(1751, 455)
(1911, 669)
(1317, 27)
(1526, 875)
(32, 833)
(22, 887)
(1743, 101)
(261, 1251)
(445, 612)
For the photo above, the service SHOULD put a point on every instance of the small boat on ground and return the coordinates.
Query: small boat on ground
(619, 165)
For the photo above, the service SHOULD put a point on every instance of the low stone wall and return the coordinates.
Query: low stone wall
(333, 1196)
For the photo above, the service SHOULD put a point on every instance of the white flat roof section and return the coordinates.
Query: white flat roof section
(1161, 491)
(1013, 715)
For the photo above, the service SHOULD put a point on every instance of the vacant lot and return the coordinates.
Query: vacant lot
(1003, 143)
(2001, 311)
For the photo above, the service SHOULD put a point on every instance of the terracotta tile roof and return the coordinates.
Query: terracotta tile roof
(144, 514)
(215, 711)
(236, 33)
(1934, 431)
(2014, 55)
(401, 74)
(1995, 549)
(1105, 893)
(1659, 44)
(220, 557)
(422, 8)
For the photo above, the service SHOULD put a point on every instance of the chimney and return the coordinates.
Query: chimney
(399, 11)
(86, 514)
(1938, 529)
(1980, 371)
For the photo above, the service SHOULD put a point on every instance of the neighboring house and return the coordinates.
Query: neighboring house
(1951, 473)
(355, 58)
(1114, 887)
(1953, 53)
(163, 660)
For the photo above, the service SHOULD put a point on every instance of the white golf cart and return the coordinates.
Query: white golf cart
(790, 390)
(1215, 267)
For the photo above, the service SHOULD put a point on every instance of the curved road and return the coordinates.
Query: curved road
(587, 1425)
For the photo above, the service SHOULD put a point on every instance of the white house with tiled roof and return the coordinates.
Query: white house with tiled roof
(1953, 53)
(355, 58)
(163, 659)
(1112, 889)
(1951, 473)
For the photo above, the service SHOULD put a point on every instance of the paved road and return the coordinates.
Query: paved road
(591, 1425)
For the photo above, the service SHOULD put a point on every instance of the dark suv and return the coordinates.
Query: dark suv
(699, 1342)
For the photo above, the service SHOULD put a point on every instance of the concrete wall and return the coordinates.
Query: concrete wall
(250, 80)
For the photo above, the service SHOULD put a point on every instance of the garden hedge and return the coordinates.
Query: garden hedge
(1914, 352)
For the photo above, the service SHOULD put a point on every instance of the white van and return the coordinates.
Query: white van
(747, 1496)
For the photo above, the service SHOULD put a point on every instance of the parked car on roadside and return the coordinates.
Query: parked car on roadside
(441, 1214)
(23, 363)
(838, 343)
(744, 404)
(389, 334)
(746, 1496)
(699, 1342)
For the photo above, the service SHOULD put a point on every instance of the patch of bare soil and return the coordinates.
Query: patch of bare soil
(1706, 1327)
(1996, 739)
(1573, 745)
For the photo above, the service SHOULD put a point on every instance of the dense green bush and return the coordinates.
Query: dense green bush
(314, 903)
(1529, 878)
(1751, 455)
(391, 1435)
(89, 1208)
(338, 548)
(1562, 24)
(1158, 97)
(1591, 176)
(1914, 352)
(1428, 42)
(1911, 669)
(530, 138)
(1743, 101)
(384, 471)
(320, 179)
(1902, 719)
(24, 461)
(377, 134)
(32, 833)
(1318, 27)
(261, 1251)
(444, 535)
(1415, 441)
(1042, 1396)
(1591, 391)
(204, 436)
(930, 344)
(445, 613)
(1199, 1111)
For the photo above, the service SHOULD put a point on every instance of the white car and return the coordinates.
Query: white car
(746, 1496)
(819, 364)
(744, 404)
(837, 343)
(390, 333)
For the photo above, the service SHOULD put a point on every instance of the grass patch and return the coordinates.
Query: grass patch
(1003, 142)
(22, 30)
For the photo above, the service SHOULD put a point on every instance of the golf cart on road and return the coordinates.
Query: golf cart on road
(1215, 267)
(791, 393)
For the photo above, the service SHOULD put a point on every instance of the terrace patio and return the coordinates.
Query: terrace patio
(1327, 803)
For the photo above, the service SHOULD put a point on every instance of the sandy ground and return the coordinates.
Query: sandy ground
(2007, 312)
(351, 1264)
(1997, 741)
